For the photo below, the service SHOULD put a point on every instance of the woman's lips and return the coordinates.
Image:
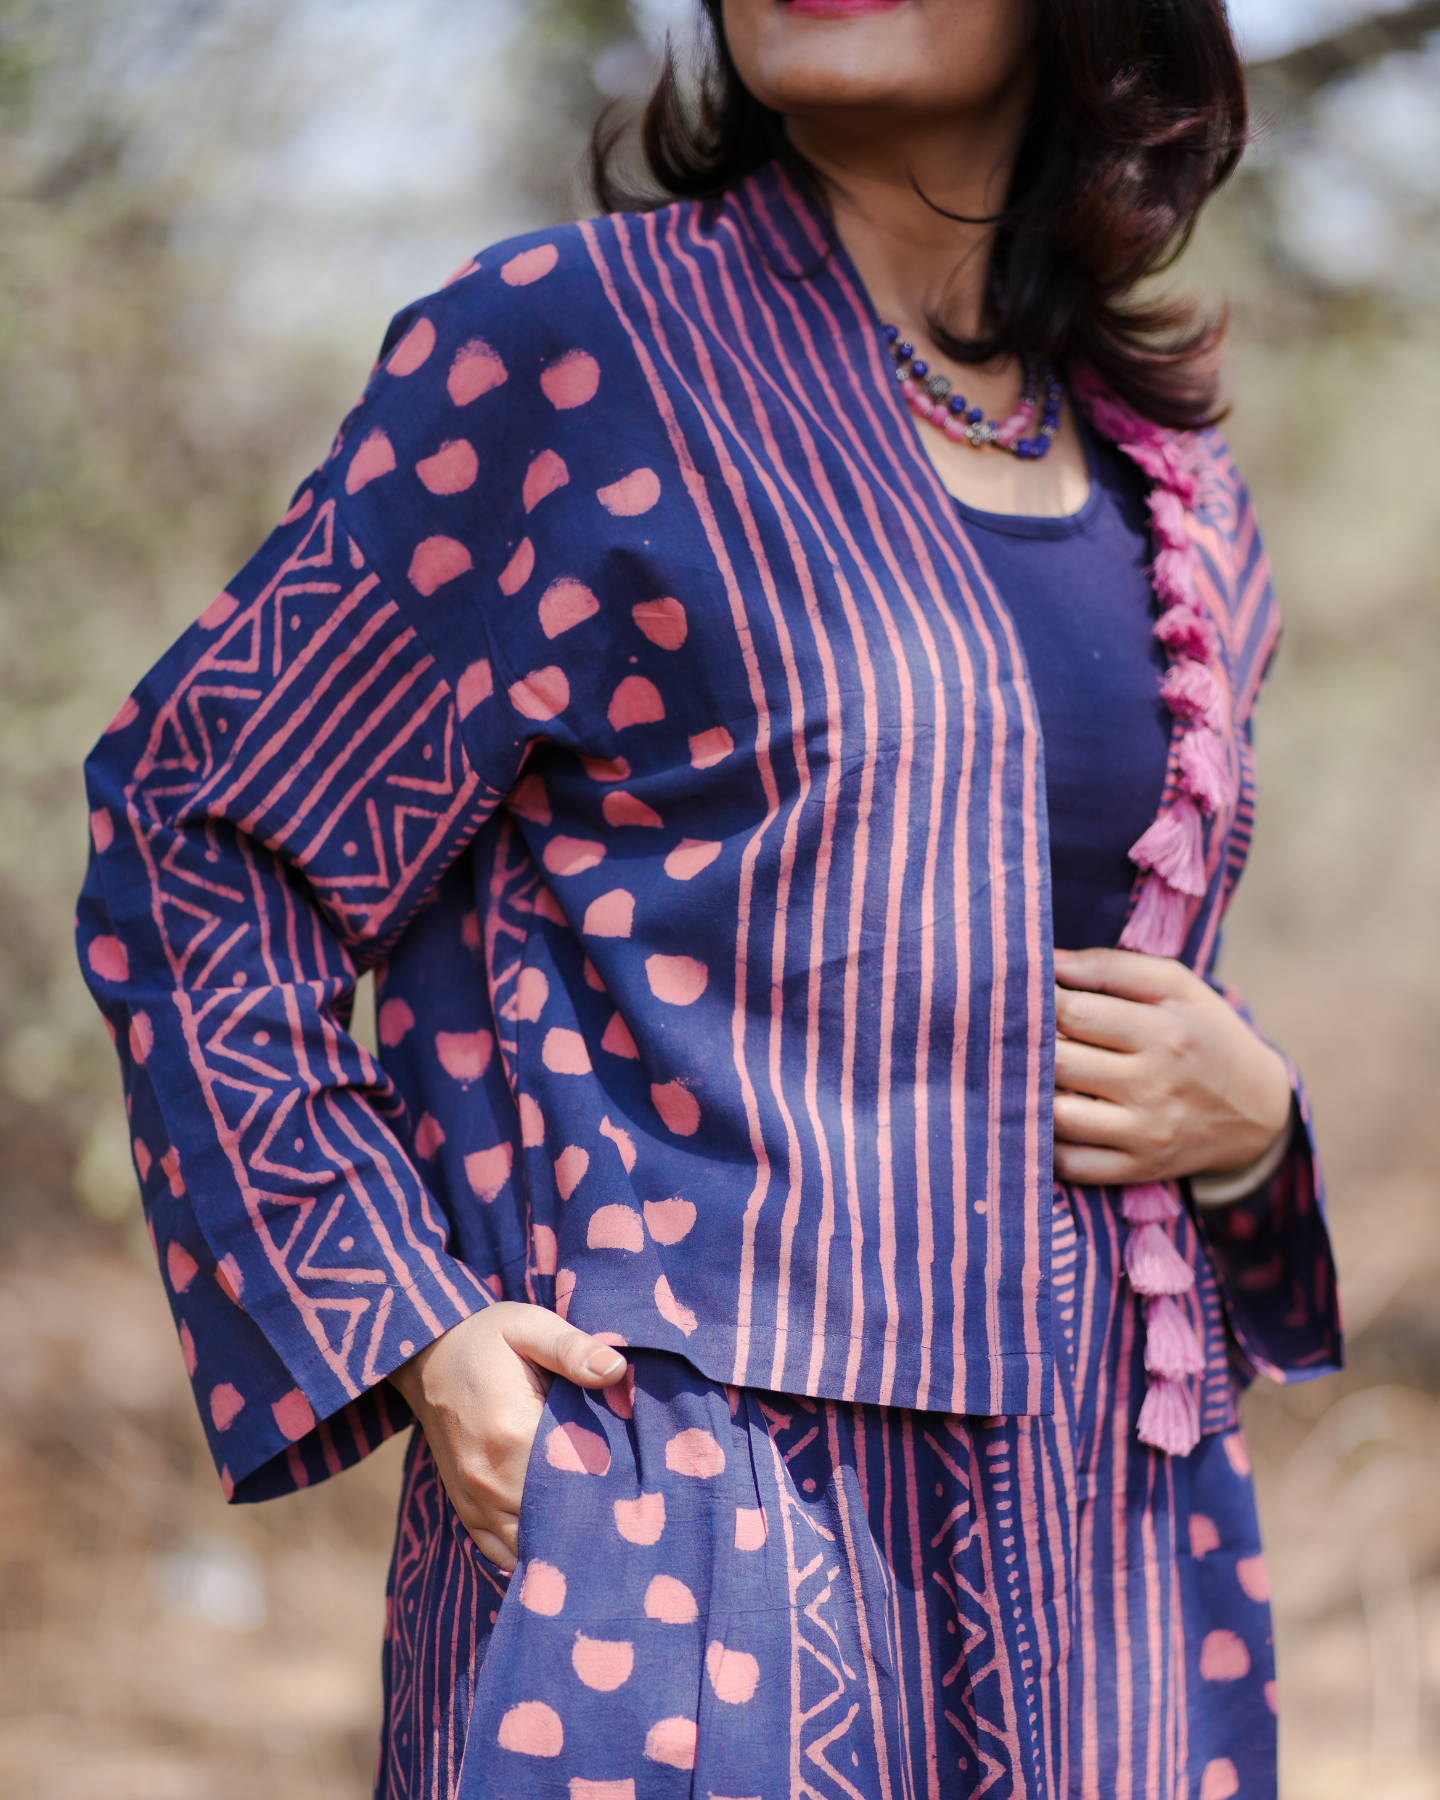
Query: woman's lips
(841, 9)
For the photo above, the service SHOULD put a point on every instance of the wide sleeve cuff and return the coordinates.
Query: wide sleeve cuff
(1272, 1253)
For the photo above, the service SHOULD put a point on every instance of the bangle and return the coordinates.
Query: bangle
(1222, 1190)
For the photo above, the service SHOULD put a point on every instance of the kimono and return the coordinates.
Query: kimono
(624, 691)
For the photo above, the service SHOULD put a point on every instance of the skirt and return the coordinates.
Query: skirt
(744, 1595)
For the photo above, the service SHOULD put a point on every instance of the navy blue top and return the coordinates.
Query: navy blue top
(1080, 595)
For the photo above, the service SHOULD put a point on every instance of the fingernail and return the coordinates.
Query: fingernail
(606, 1365)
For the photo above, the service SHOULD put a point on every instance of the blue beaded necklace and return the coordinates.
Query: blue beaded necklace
(932, 397)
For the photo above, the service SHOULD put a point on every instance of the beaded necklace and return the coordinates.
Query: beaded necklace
(1170, 854)
(931, 396)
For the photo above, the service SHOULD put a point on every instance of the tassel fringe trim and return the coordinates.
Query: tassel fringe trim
(1170, 856)
(1169, 1416)
(1171, 853)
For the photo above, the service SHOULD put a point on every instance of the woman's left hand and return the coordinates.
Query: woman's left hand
(1155, 1076)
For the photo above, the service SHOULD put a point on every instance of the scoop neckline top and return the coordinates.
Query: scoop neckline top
(1049, 525)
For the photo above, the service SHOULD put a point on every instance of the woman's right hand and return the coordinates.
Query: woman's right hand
(478, 1393)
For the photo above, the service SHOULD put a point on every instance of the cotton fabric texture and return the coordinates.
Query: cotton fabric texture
(625, 690)
(723, 1591)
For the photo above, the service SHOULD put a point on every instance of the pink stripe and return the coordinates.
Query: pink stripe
(755, 543)
(415, 715)
(1040, 1525)
(213, 661)
(992, 1599)
(1031, 1270)
(381, 1159)
(1117, 1486)
(834, 747)
(800, 568)
(1154, 1640)
(945, 542)
(819, 378)
(1100, 1219)
(889, 1553)
(860, 847)
(222, 949)
(1179, 1699)
(906, 507)
(877, 377)
(1242, 704)
(922, 1616)
(301, 672)
(857, 1582)
(696, 487)
(860, 866)
(1062, 1486)
(376, 918)
(781, 1508)
(189, 1023)
(191, 1017)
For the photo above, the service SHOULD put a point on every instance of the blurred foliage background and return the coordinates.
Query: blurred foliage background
(208, 210)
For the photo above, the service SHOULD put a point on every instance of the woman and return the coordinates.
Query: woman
(705, 736)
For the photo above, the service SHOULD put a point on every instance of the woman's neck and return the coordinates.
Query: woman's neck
(891, 179)
(886, 176)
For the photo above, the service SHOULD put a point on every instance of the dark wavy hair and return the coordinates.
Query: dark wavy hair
(1139, 115)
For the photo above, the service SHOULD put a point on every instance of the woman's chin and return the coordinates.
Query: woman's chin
(841, 9)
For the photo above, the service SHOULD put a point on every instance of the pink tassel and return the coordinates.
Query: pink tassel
(1172, 1349)
(1173, 456)
(1174, 847)
(1175, 572)
(1149, 1203)
(1177, 449)
(1169, 1418)
(1160, 453)
(1163, 462)
(1111, 416)
(1168, 516)
(1192, 692)
(1149, 456)
(1153, 1263)
(1158, 924)
(1179, 458)
(1205, 770)
(1184, 632)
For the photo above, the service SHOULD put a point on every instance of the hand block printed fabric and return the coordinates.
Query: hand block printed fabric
(737, 1593)
(625, 691)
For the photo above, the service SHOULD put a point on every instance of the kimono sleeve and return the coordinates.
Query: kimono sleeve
(1272, 1253)
(268, 810)
(282, 796)
(1271, 1250)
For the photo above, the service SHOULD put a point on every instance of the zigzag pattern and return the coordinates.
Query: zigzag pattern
(298, 786)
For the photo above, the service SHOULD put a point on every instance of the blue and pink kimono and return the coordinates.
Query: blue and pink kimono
(625, 690)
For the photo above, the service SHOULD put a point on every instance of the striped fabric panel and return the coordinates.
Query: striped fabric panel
(826, 498)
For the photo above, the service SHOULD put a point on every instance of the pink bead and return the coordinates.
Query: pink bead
(1016, 424)
(909, 388)
(954, 429)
